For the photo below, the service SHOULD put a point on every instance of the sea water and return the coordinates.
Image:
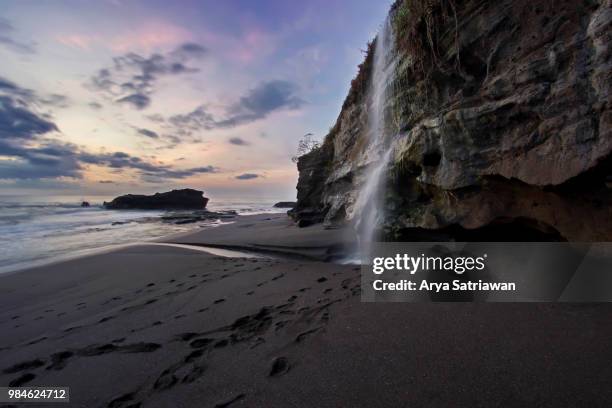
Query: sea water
(38, 230)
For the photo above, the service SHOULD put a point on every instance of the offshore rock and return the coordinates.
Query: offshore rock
(175, 199)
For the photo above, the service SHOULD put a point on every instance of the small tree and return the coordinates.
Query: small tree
(306, 145)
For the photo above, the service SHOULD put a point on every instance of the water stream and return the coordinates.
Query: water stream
(369, 206)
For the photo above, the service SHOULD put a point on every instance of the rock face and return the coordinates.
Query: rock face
(500, 113)
(285, 204)
(175, 199)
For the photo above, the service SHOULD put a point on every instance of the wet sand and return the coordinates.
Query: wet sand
(162, 326)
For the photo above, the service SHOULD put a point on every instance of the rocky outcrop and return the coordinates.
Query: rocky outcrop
(175, 199)
(285, 204)
(500, 116)
(190, 217)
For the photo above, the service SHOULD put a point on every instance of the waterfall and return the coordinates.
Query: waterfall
(369, 206)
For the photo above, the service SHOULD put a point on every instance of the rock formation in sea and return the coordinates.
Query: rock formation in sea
(176, 199)
(285, 204)
(496, 125)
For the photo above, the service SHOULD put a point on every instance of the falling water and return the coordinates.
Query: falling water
(368, 212)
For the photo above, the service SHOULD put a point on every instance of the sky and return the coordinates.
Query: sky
(111, 97)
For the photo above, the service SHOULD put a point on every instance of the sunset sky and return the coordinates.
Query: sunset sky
(110, 97)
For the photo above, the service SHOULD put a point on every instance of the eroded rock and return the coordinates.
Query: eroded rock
(507, 122)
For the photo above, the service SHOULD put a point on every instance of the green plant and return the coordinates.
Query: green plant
(306, 145)
(359, 84)
(419, 28)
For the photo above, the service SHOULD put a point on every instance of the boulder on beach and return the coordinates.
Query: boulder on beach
(176, 199)
(85, 204)
(285, 204)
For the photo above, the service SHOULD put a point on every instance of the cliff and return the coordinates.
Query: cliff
(499, 114)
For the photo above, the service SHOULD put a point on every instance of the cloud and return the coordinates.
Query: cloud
(17, 121)
(50, 160)
(53, 159)
(19, 118)
(121, 160)
(27, 153)
(257, 103)
(156, 117)
(137, 100)
(263, 100)
(8, 87)
(95, 105)
(188, 50)
(238, 141)
(7, 38)
(132, 78)
(56, 101)
(247, 176)
(197, 119)
(106, 182)
(148, 133)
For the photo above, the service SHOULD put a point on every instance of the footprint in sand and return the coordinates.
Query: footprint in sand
(38, 340)
(221, 343)
(230, 401)
(200, 343)
(18, 382)
(195, 373)
(59, 360)
(280, 366)
(302, 336)
(25, 365)
(122, 400)
(194, 355)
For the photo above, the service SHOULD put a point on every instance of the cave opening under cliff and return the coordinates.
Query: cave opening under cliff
(519, 229)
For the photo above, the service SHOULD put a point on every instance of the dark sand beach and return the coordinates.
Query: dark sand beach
(162, 326)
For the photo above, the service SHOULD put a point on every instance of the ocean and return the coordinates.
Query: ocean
(36, 231)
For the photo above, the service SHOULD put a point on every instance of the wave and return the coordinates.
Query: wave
(36, 231)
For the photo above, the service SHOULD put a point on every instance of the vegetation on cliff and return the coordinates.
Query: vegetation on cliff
(500, 107)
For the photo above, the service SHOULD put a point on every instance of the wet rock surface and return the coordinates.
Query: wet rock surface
(285, 204)
(189, 217)
(175, 199)
(508, 124)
